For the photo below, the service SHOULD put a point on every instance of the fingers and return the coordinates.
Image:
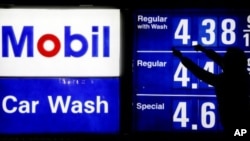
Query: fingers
(198, 47)
(179, 54)
(176, 52)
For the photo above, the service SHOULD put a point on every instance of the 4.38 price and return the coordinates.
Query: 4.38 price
(207, 31)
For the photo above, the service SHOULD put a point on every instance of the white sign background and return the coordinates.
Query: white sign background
(53, 21)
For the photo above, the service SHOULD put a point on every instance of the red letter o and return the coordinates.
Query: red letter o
(43, 39)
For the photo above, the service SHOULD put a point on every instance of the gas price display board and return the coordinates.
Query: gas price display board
(166, 95)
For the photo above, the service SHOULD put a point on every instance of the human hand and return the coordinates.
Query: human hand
(198, 48)
(176, 52)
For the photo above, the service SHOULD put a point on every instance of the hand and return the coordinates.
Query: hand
(198, 48)
(176, 52)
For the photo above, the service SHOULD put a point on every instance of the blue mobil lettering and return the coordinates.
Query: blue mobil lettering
(27, 36)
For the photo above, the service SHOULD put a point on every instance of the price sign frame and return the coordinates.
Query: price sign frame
(167, 97)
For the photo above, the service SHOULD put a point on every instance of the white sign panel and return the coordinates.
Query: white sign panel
(59, 42)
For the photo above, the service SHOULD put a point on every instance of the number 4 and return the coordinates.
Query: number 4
(181, 74)
(182, 31)
(180, 114)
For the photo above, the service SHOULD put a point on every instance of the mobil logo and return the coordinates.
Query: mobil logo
(47, 42)
(96, 41)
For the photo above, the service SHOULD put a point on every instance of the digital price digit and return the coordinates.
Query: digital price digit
(180, 114)
(181, 75)
(207, 117)
(207, 66)
(248, 64)
(210, 31)
(247, 32)
(228, 36)
(182, 32)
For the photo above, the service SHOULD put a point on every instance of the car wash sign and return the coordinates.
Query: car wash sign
(59, 70)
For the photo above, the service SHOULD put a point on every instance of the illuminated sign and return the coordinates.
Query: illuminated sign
(167, 97)
(53, 42)
(59, 105)
(60, 71)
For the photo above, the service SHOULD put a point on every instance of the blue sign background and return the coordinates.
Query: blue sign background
(185, 98)
(44, 121)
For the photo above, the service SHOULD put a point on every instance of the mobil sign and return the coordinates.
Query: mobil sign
(59, 70)
(54, 42)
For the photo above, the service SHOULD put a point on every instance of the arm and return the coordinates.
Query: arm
(195, 69)
(210, 53)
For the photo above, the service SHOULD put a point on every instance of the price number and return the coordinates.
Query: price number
(182, 76)
(207, 116)
(246, 31)
(207, 31)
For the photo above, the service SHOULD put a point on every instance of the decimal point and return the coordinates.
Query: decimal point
(194, 127)
(194, 43)
(194, 86)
